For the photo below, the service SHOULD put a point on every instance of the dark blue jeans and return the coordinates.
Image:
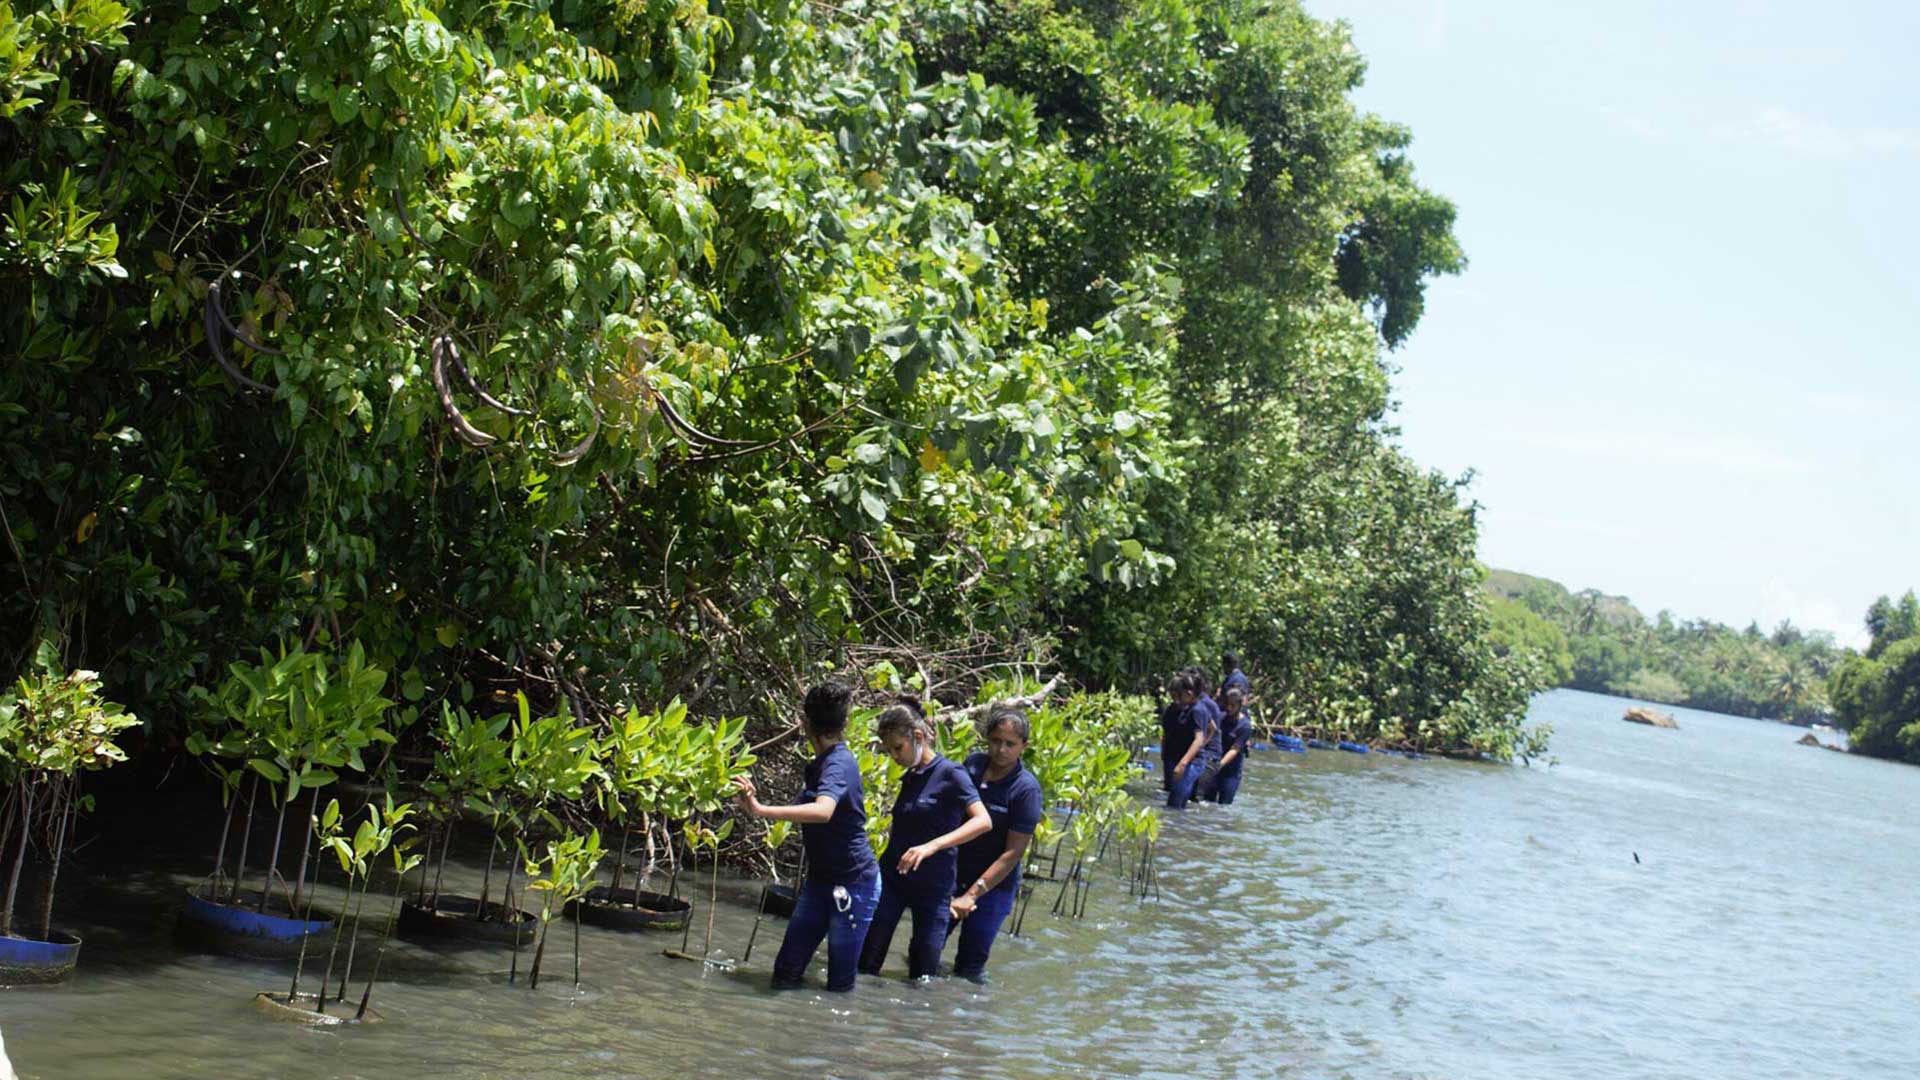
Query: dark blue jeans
(1226, 785)
(978, 930)
(930, 919)
(1183, 785)
(816, 915)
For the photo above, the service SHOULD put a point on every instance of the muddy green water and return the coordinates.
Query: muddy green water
(1351, 917)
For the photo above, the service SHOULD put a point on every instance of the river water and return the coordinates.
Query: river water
(1352, 916)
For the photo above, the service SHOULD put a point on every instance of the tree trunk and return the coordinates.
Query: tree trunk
(220, 853)
(246, 838)
(59, 847)
(540, 950)
(306, 918)
(306, 848)
(19, 858)
(393, 911)
(273, 860)
(353, 943)
(446, 847)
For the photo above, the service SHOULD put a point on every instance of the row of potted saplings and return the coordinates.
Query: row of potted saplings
(280, 732)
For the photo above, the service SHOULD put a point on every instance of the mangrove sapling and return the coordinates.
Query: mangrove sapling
(402, 864)
(53, 727)
(327, 827)
(697, 837)
(470, 766)
(294, 720)
(374, 836)
(562, 877)
(381, 835)
(775, 837)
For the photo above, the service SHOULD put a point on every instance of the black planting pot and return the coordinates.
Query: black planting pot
(240, 930)
(29, 962)
(631, 909)
(452, 918)
(779, 901)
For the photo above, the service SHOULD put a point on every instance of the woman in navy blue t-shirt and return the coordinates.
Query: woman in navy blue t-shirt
(1236, 734)
(989, 871)
(937, 811)
(842, 888)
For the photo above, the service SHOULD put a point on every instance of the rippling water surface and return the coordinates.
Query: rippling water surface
(1351, 917)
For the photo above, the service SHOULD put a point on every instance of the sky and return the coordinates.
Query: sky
(1682, 359)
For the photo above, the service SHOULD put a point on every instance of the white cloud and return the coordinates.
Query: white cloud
(1811, 137)
(1780, 600)
(1670, 449)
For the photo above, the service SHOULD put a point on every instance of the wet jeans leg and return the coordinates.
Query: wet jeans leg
(811, 910)
(1226, 786)
(848, 931)
(1183, 785)
(931, 919)
(815, 916)
(978, 930)
(879, 936)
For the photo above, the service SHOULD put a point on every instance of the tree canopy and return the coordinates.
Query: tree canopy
(619, 350)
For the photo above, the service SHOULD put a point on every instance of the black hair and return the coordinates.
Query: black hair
(1012, 715)
(1198, 676)
(1229, 663)
(826, 709)
(902, 719)
(1181, 683)
(1233, 694)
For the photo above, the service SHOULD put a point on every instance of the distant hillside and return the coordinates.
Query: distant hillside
(1590, 640)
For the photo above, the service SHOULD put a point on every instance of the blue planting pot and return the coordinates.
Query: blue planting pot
(1320, 744)
(1353, 747)
(25, 962)
(227, 928)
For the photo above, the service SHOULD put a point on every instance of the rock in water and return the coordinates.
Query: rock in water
(1649, 717)
(1809, 740)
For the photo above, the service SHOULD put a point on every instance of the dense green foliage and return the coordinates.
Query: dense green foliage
(613, 351)
(1877, 696)
(1591, 641)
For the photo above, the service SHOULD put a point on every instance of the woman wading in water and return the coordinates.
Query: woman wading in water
(937, 811)
(842, 888)
(989, 867)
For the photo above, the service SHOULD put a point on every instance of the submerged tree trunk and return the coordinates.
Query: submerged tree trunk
(19, 857)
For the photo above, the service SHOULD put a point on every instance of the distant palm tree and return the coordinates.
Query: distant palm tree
(1792, 686)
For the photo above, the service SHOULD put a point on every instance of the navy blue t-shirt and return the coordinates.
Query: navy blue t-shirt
(1235, 731)
(933, 802)
(1193, 723)
(1236, 678)
(837, 852)
(1212, 709)
(1169, 731)
(1014, 803)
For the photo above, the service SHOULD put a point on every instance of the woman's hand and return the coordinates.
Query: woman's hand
(962, 906)
(911, 858)
(749, 798)
(1180, 770)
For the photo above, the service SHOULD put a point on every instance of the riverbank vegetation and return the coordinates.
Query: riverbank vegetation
(1876, 696)
(1590, 641)
(615, 353)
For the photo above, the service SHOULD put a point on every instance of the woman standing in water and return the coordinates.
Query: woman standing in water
(1193, 732)
(842, 888)
(937, 811)
(1236, 733)
(989, 870)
